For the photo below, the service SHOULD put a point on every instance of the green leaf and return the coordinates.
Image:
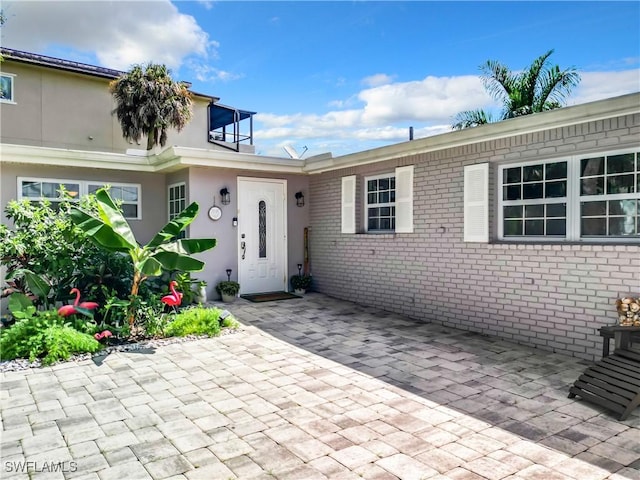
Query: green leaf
(172, 229)
(178, 261)
(19, 302)
(37, 284)
(190, 245)
(111, 215)
(150, 267)
(100, 232)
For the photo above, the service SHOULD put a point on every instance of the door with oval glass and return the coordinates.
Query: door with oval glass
(262, 238)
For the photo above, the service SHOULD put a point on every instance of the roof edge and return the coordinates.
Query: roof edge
(562, 117)
(75, 67)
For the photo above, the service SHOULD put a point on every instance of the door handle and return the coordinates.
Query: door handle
(243, 246)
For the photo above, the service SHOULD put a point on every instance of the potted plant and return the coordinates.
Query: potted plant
(300, 283)
(201, 292)
(228, 290)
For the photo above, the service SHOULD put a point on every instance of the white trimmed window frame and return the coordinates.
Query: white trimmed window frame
(83, 189)
(10, 77)
(390, 204)
(179, 200)
(573, 200)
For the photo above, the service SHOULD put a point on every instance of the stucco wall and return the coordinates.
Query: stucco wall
(59, 109)
(154, 209)
(552, 296)
(203, 184)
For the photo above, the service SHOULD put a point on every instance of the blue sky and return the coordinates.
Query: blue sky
(340, 76)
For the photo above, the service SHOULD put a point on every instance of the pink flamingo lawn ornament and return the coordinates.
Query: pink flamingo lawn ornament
(104, 334)
(67, 310)
(174, 298)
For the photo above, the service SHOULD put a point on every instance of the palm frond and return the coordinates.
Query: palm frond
(471, 118)
(555, 87)
(498, 80)
(149, 102)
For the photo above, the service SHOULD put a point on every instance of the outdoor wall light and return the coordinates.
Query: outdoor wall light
(229, 274)
(299, 199)
(234, 222)
(225, 196)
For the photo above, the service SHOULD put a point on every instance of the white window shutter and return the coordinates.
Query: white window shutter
(349, 204)
(404, 199)
(476, 203)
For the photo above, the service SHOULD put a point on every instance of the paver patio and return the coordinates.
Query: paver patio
(315, 388)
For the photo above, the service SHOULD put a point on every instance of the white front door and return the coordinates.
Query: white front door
(262, 235)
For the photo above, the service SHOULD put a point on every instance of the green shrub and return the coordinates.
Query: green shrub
(44, 335)
(47, 255)
(60, 342)
(195, 321)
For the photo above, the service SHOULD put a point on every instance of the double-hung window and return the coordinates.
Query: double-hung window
(586, 197)
(380, 205)
(387, 204)
(177, 195)
(38, 189)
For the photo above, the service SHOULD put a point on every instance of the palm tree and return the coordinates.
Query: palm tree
(149, 102)
(539, 88)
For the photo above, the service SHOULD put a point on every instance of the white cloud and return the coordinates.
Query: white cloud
(427, 100)
(206, 4)
(118, 33)
(207, 73)
(433, 101)
(377, 80)
(384, 113)
(600, 85)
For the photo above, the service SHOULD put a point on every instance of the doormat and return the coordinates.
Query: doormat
(269, 297)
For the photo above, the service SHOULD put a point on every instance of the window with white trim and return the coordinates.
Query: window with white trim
(583, 197)
(177, 197)
(387, 204)
(6, 88)
(127, 195)
(380, 203)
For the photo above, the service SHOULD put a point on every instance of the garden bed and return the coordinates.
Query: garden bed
(125, 346)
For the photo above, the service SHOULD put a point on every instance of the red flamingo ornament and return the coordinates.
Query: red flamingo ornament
(87, 305)
(174, 298)
(67, 310)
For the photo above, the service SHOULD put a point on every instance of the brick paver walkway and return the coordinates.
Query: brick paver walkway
(314, 389)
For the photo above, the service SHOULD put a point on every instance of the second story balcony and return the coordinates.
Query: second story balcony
(231, 128)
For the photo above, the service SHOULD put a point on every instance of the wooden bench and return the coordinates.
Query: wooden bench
(614, 381)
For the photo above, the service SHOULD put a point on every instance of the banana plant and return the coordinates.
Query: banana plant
(111, 231)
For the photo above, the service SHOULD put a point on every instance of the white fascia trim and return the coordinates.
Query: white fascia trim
(171, 159)
(177, 156)
(562, 117)
(32, 155)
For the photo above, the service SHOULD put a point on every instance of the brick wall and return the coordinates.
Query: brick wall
(552, 296)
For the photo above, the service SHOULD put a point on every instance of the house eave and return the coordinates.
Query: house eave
(563, 117)
(171, 159)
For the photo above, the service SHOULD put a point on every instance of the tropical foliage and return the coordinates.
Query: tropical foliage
(195, 321)
(41, 334)
(149, 102)
(165, 252)
(45, 255)
(538, 88)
